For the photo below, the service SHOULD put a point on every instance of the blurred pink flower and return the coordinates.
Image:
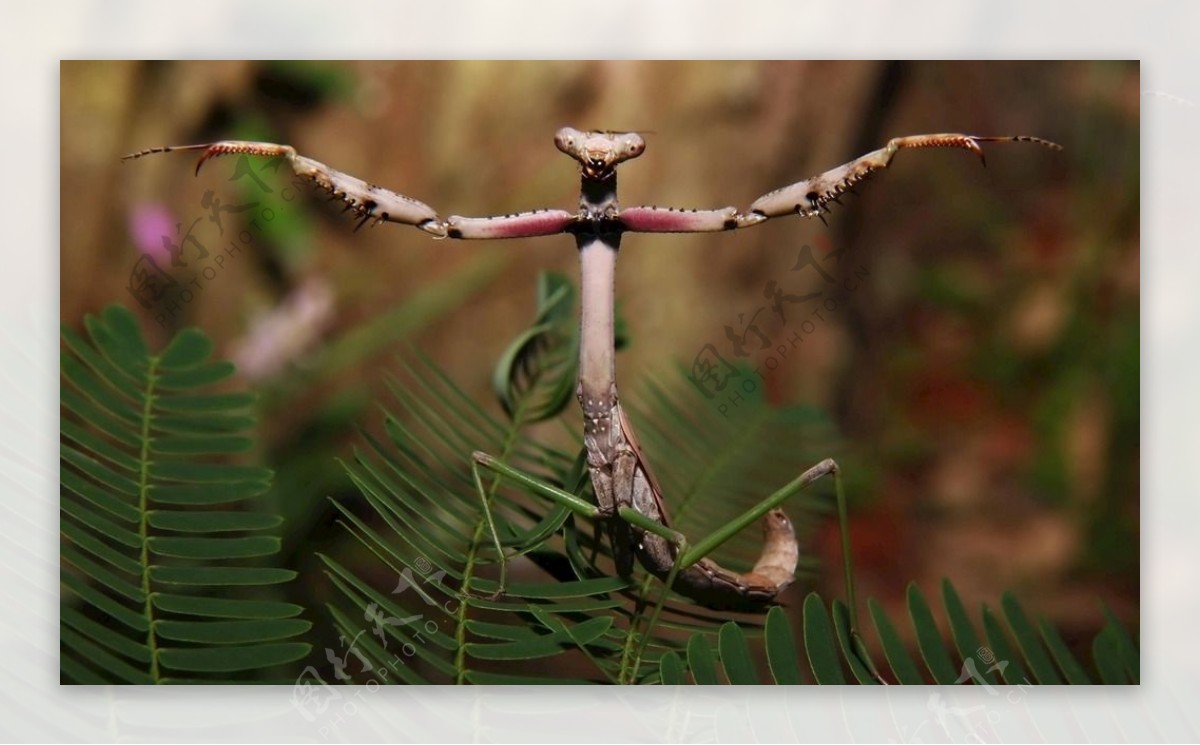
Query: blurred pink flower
(148, 223)
(282, 336)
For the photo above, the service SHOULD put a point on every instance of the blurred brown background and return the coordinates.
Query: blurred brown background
(984, 376)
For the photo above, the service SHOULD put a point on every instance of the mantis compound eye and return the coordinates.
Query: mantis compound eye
(566, 140)
(632, 146)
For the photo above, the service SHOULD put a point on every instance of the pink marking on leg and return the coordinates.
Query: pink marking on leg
(670, 220)
(523, 225)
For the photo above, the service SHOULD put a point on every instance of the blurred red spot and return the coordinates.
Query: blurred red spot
(940, 399)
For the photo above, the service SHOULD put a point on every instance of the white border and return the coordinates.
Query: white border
(36, 36)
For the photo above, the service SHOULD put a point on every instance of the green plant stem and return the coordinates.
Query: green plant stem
(143, 507)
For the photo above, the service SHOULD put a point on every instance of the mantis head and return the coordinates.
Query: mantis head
(599, 153)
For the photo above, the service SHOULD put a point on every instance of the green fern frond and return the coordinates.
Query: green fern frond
(434, 617)
(829, 653)
(537, 370)
(438, 617)
(154, 579)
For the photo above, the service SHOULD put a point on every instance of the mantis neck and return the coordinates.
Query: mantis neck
(597, 368)
(598, 196)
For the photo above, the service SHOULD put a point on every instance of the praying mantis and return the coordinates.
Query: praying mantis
(629, 501)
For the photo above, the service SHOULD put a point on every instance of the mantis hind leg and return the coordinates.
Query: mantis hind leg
(689, 556)
(653, 530)
(827, 467)
(505, 471)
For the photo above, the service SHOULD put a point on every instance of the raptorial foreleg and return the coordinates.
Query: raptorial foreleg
(807, 198)
(810, 197)
(367, 201)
